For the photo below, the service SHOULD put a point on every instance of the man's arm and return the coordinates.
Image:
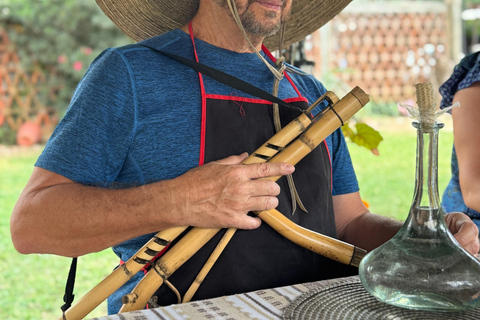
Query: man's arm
(59, 216)
(358, 226)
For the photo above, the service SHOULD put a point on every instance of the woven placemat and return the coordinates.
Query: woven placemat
(348, 300)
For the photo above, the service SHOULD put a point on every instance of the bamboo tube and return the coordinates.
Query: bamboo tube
(294, 128)
(297, 150)
(309, 140)
(331, 119)
(288, 133)
(326, 246)
(265, 152)
(163, 268)
(209, 264)
(122, 274)
(262, 154)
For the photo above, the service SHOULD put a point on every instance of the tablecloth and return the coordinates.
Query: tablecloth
(265, 304)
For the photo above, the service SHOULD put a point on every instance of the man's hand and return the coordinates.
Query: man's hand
(221, 193)
(464, 231)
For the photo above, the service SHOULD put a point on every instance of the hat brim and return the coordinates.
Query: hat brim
(140, 19)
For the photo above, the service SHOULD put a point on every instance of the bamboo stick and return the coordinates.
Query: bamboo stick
(293, 129)
(262, 154)
(122, 274)
(163, 268)
(309, 140)
(326, 246)
(222, 244)
(331, 120)
(269, 149)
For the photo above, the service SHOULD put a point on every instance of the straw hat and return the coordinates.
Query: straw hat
(142, 19)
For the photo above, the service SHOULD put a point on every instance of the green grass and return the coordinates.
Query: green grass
(387, 181)
(32, 286)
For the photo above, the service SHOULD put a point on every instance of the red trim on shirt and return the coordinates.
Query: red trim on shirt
(203, 124)
(144, 269)
(331, 166)
(251, 100)
(213, 96)
(270, 55)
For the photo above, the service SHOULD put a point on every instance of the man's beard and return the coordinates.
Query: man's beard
(250, 22)
(255, 27)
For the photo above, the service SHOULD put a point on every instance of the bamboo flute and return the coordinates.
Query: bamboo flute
(143, 256)
(324, 245)
(331, 120)
(265, 152)
(293, 129)
(163, 268)
(122, 274)
(141, 293)
(222, 244)
(332, 248)
(318, 243)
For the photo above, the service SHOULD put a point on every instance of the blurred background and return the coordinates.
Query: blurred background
(385, 47)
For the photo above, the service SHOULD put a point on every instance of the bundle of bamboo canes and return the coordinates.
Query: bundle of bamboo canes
(306, 133)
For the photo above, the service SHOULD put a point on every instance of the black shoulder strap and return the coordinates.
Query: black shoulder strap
(227, 79)
(69, 296)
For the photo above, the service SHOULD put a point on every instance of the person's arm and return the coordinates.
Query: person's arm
(59, 216)
(466, 128)
(358, 226)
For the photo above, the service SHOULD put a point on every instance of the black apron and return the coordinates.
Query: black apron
(260, 258)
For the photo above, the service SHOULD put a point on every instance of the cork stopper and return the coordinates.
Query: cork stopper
(425, 113)
(426, 103)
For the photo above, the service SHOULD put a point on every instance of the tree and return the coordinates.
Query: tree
(60, 37)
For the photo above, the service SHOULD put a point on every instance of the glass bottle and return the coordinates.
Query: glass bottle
(423, 267)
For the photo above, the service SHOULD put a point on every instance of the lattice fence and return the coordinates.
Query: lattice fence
(20, 99)
(385, 50)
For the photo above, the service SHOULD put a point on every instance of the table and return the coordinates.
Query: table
(262, 304)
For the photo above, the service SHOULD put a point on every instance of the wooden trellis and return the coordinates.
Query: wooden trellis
(19, 92)
(385, 47)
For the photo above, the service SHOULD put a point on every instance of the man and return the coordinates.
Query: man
(148, 144)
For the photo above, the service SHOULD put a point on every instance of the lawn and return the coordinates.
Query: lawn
(387, 181)
(31, 286)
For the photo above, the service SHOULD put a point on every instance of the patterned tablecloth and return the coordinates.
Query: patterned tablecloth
(263, 304)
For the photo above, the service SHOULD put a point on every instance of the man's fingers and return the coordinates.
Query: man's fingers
(262, 203)
(249, 223)
(256, 188)
(262, 170)
(233, 159)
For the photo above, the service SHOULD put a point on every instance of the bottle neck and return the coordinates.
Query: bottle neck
(426, 196)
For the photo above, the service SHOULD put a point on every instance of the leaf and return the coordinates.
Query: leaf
(347, 131)
(365, 136)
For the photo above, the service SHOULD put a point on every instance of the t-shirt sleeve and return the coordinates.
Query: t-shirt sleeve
(466, 73)
(344, 179)
(91, 142)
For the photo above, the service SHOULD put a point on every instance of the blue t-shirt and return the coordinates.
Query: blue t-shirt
(135, 119)
(464, 75)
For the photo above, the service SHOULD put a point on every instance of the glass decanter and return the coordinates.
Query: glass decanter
(423, 267)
